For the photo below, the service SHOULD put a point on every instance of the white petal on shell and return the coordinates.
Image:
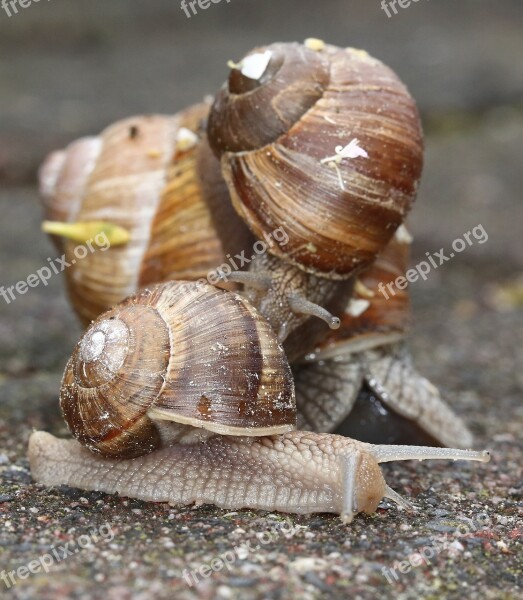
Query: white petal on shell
(357, 307)
(185, 139)
(403, 236)
(255, 65)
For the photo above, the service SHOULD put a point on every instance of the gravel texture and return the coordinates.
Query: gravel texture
(68, 69)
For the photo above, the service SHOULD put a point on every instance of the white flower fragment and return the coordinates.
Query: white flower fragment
(254, 65)
(357, 307)
(185, 139)
(403, 236)
(351, 150)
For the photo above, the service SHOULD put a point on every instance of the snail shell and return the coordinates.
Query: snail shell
(183, 352)
(370, 318)
(140, 174)
(281, 137)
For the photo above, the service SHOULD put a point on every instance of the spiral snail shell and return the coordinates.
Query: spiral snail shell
(141, 176)
(274, 133)
(158, 357)
(327, 144)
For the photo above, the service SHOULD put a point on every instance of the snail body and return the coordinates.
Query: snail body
(174, 426)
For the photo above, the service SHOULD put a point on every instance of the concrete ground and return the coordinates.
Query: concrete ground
(67, 69)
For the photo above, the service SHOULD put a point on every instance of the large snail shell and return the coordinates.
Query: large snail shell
(140, 174)
(276, 134)
(183, 352)
(372, 317)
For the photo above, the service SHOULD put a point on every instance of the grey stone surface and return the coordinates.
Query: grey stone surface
(67, 69)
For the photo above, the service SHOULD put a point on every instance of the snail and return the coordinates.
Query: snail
(352, 372)
(139, 188)
(360, 380)
(325, 142)
(182, 393)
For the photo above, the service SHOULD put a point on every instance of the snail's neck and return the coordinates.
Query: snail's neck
(290, 298)
(176, 433)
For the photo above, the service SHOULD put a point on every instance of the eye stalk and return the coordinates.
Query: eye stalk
(362, 480)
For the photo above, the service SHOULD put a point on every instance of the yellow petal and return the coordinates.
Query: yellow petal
(86, 231)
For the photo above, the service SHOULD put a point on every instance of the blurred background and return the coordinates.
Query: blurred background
(70, 68)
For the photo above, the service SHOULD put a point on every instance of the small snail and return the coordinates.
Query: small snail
(326, 143)
(139, 184)
(182, 394)
(360, 381)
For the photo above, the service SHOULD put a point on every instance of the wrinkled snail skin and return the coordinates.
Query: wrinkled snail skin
(360, 380)
(180, 352)
(280, 138)
(140, 174)
(376, 395)
(297, 472)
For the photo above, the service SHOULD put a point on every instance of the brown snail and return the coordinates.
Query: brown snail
(161, 416)
(139, 185)
(326, 143)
